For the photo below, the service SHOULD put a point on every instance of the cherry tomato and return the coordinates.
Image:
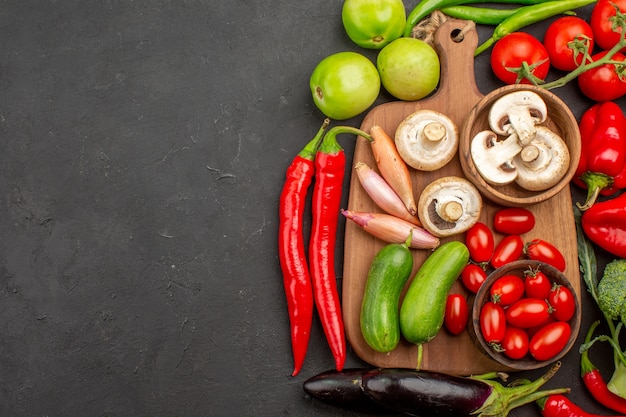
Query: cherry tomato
(510, 248)
(544, 251)
(528, 312)
(515, 342)
(549, 341)
(492, 322)
(601, 22)
(562, 302)
(473, 277)
(479, 241)
(512, 50)
(456, 313)
(603, 83)
(513, 221)
(507, 289)
(537, 284)
(566, 37)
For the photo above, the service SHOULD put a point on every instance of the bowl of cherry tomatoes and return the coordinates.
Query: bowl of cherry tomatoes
(525, 315)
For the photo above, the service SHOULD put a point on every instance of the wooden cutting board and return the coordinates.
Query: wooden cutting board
(456, 96)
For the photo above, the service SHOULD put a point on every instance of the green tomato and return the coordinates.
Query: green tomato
(344, 85)
(409, 68)
(373, 24)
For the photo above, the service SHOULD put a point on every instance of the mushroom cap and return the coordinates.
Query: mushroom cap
(493, 158)
(518, 112)
(449, 205)
(427, 140)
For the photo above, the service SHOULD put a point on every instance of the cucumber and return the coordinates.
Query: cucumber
(423, 306)
(389, 271)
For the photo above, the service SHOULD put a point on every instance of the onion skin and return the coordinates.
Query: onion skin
(382, 194)
(392, 229)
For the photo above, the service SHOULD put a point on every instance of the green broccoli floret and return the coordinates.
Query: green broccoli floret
(612, 290)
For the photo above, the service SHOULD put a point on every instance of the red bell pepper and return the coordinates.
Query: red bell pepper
(602, 165)
(605, 225)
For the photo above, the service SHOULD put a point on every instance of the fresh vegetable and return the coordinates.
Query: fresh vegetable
(568, 40)
(602, 22)
(509, 249)
(291, 252)
(560, 406)
(456, 314)
(373, 24)
(550, 340)
(544, 251)
(513, 220)
(528, 312)
(422, 309)
(562, 302)
(605, 224)
(400, 61)
(344, 85)
(391, 229)
(602, 166)
(330, 162)
(479, 15)
(480, 242)
(515, 342)
(473, 277)
(612, 290)
(506, 290)
(528, 15)
(519, 57)
(492, 322)
(604, 82)
(537, 284)
(389, 271)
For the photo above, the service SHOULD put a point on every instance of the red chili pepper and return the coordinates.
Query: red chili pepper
(558, 405)
(330, 163)
(291, 252)
(595, 383)
(605, 225)
(602, 165)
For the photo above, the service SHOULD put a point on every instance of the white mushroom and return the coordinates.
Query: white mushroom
(493, 158)
(449, 205)
(427, 140)
(543, 162)
(518, 113)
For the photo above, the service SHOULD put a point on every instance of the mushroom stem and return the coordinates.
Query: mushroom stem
(450, 211)
(434, 131)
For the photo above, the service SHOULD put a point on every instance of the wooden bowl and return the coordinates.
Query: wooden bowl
(560, 120)
(518, 268)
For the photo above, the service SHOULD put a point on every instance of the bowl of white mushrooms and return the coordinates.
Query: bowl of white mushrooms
(519, 145)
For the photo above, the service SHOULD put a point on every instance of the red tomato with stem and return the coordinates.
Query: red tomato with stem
(601, 23)
(528, 312)
(518, 56)
(605, 82)
(513, 221)
(492, 322)
(480, 243)
(544, 251)
(550, 340)
(510, 248)
(537, 284)
(507, 289)
(456, 313)
(515, 342)
(473, 277)
(562, 302)
(567, 39)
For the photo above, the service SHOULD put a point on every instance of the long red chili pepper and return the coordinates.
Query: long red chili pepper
(291, 252)
(560, 406)
(330, 163)
(595, 383)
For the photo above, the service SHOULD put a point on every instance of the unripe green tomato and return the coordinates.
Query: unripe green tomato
(409, 68)
(344, 85)
(373, 24)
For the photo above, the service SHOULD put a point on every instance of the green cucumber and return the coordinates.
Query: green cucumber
(423, 306)
(389, 271)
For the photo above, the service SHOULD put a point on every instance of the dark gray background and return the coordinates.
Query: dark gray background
(143, 149)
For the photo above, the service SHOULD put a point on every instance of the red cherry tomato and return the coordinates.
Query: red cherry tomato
(544, 251)
(513, 221)
(479, 242)
(515, 342)
(537, 284)
(456, 313)
(561, 35)
(602, 83)
(473, 277)
(528, 312)
(507, 289)
(549, 341)
(601, 22)
(512, 50)
(510, 248)
(562, 302)
(492, 322)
